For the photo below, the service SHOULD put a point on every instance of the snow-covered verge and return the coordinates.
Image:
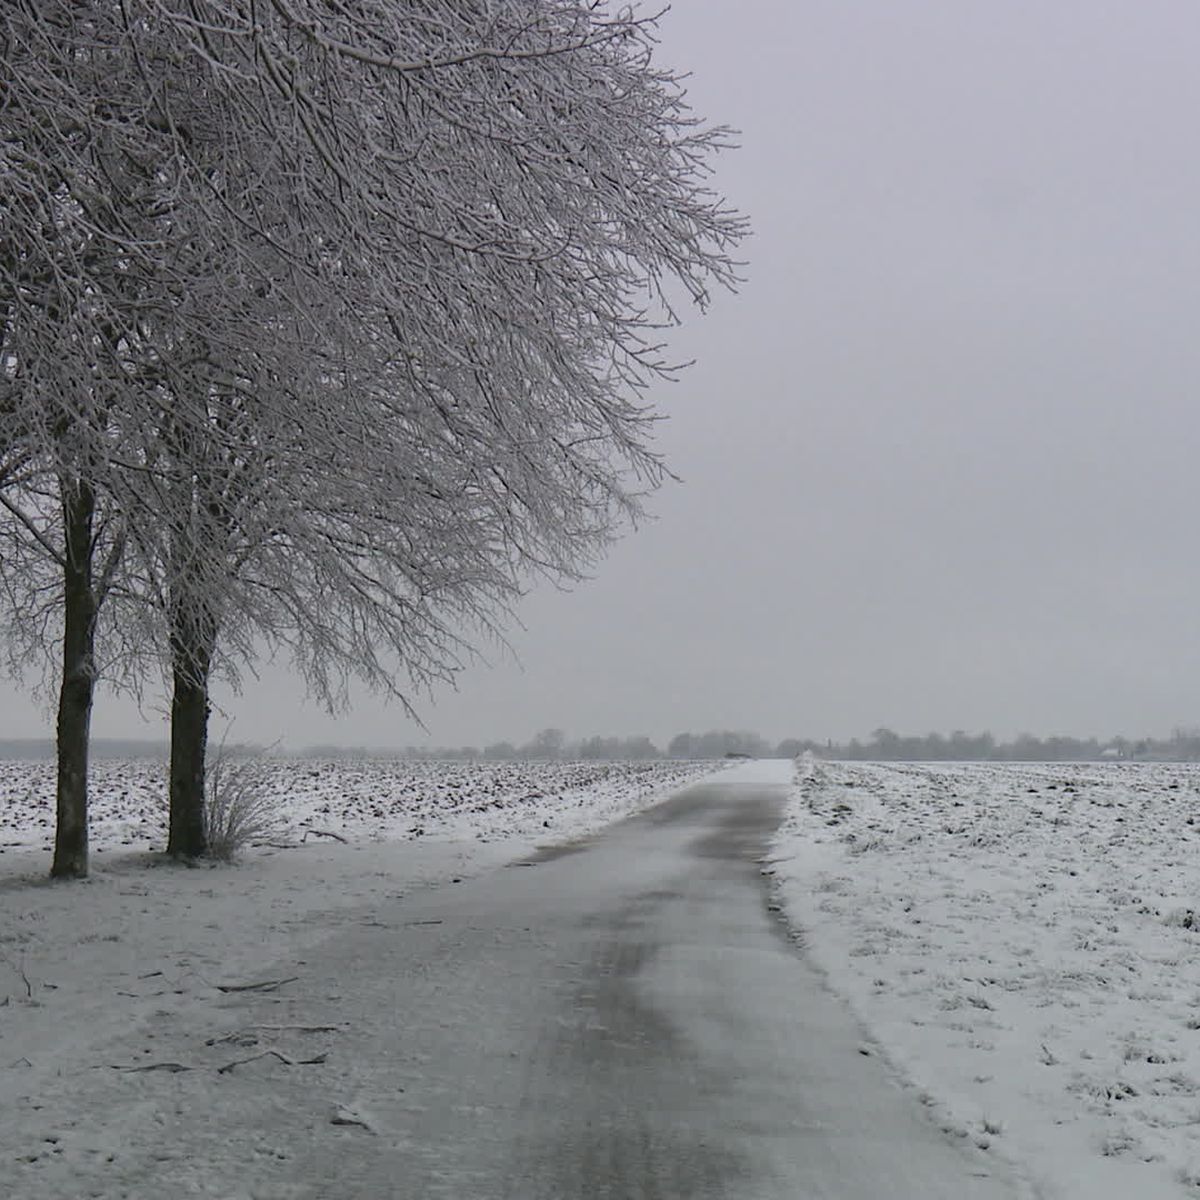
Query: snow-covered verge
(145, 946)
(1023, 942)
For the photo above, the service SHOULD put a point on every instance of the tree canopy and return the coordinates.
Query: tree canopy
(324, 327)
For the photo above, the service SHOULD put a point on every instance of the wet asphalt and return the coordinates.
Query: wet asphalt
(625, 1018)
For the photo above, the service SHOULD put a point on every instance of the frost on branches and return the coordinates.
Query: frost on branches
(326, 326)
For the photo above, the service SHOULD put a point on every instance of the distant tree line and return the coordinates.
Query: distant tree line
(554, 744)
(883, 745)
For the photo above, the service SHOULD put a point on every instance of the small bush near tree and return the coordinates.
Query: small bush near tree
(242, 807)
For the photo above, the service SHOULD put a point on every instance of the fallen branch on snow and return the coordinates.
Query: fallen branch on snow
(175, 1067)
(337, 837)
(283, 1058)
(244, 1032)
(345, 1116)
(265, 985)
(19, 968)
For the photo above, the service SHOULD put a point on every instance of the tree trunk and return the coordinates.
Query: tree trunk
(192, 642)
(77, 685)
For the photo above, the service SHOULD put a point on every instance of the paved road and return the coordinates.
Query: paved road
(623, 1020)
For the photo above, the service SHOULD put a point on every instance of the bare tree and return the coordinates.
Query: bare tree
(389, 286)
(69, 284)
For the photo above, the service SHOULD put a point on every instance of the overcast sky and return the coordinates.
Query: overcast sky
(939, 455)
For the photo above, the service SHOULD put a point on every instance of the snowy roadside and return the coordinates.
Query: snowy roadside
(1021, 942)
(145, 945)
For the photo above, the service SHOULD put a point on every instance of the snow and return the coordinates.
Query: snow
(137, 954)
(1021, 942)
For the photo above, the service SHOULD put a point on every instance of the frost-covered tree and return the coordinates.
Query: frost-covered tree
(123, 272)
(495, 197)
(389, 282)
(74, 273)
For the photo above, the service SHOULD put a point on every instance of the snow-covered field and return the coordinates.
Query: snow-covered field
(144, 948)
(369, 800)
(1023, 942)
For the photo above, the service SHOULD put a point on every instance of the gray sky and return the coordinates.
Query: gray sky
(938, 456)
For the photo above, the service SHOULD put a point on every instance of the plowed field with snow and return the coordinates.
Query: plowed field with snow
(1023, 940)
(370, 800)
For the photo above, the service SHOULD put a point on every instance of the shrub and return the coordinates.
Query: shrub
(241, 806)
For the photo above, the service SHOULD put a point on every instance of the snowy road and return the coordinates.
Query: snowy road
(621, 1020)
